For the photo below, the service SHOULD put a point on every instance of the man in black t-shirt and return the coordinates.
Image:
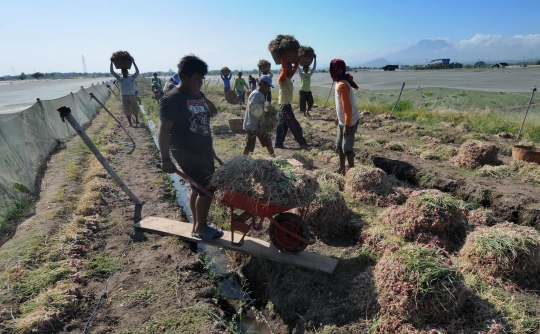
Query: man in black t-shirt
(184, 132)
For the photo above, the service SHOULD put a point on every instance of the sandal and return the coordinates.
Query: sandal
(211, 233)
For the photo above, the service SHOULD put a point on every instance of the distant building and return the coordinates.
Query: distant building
(444, 62)
(503, 65)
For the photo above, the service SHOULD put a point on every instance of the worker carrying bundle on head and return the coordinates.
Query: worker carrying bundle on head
(286, 116)
(128, 88)
(305, 88)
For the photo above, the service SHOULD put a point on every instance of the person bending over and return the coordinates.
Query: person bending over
(254, 114)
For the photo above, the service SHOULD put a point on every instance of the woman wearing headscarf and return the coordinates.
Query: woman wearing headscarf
(348, 116)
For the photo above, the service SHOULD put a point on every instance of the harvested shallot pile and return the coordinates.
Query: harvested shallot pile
(505, 251)
(417, 284)
(273, 181)
(429, 216)
(121, 56)
(474, 154)
(269, 120)
(372, 185)
(263, 62)
(328, 215)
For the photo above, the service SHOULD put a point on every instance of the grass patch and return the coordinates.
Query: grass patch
(9, 217)
(100, 266)
(187, 320)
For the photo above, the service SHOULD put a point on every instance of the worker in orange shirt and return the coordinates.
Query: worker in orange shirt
(348, 116)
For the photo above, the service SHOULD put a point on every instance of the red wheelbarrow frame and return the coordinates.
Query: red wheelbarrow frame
(253, 209)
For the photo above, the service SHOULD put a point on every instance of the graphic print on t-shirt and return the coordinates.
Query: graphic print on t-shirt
(200, 116)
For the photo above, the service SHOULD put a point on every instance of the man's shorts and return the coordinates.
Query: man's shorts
(264, 139)
(346, 144)
(130, 105)
(197, 165)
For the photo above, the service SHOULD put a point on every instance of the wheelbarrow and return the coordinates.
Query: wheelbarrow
(288, 231)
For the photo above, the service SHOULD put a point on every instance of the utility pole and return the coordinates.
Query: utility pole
(85, 70)
(13, 69)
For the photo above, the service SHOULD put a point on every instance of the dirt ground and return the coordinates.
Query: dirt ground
(163, 286)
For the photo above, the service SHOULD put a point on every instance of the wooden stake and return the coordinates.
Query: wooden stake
(329, 94)
(530, 101)
(395, 105)
(65, 113)
(117, 121)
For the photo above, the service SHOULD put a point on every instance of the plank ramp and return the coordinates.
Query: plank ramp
(252, 246)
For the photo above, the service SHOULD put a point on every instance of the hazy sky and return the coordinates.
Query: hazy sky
(51, 36)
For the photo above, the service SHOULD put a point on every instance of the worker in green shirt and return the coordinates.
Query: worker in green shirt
(305, 88)
(240, 86)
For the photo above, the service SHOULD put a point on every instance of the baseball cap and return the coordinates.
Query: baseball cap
(267, 79)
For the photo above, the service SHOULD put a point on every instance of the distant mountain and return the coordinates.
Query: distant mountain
(488, 48)
(423, 52)
(380, 62)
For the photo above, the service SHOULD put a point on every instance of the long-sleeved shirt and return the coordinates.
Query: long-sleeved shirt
(305, 78)
(127, 84)
(346, 108)
(285, 83)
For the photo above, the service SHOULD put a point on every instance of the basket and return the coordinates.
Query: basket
(526, 153)
(225, 71)
(231, 97)
(291, 55)
(122, 63)
(236, 125)
(265, 67)
(305, 60)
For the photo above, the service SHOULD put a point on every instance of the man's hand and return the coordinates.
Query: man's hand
(218, 160)
(167, 166)
(346, 131)
(336, 122)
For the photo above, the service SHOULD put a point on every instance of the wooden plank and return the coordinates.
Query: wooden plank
(295, 162)
(252, 246)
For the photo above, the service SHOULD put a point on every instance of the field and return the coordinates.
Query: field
(437, 229)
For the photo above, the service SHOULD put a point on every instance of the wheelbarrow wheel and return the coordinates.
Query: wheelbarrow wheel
(283, 240)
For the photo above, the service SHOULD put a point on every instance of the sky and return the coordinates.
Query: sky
(52, 36)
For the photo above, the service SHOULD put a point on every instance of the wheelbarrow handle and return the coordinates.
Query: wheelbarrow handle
(191, 181)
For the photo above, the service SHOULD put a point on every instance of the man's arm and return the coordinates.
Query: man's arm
(283, 74)
(113, 72)
(295, 67)
(314, 65)
(299, 71)
(136, 71)
(163, 142)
